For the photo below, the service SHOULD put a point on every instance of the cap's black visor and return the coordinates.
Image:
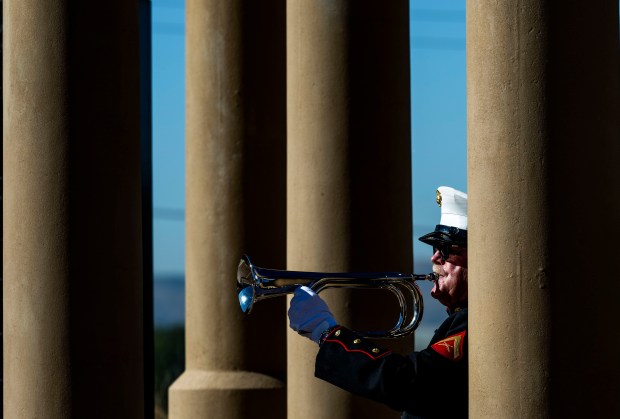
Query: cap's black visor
(445, 235)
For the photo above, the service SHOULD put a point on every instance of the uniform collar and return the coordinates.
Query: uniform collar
(457, 307)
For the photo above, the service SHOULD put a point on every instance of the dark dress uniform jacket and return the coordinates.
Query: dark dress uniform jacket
(428, 384)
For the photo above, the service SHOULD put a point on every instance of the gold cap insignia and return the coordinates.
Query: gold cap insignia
(438, 198)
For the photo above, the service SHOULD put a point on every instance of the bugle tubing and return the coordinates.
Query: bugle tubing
(255, 284)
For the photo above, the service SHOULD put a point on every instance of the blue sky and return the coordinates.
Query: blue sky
(168, 137)
(438, 127)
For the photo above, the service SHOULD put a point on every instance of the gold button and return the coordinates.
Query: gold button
(357, 341)
(375, 350)
(337, 333)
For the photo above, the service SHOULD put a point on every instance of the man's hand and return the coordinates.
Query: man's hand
(309, 315)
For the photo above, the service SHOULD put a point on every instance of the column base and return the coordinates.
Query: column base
(226, 395)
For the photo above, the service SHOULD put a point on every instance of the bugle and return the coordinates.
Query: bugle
(255, 284)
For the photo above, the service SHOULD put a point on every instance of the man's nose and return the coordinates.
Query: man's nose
(437, 259)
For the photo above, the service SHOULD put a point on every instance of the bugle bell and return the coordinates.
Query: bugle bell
(255, 284)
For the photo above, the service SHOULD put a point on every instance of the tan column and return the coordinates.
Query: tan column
(72, 229)
(36, 275)
(234, 364)
(347, 118)
(318, 175)
(543, 130)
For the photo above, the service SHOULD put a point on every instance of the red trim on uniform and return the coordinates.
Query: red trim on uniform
(451, 347)
(358, 350)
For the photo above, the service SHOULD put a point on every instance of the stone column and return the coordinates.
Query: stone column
(235, 364)
(73, 329)
(318, 176)
(348, 152)
(543, 133)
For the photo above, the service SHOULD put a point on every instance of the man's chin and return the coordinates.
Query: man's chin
(440, 298)
(436, 296)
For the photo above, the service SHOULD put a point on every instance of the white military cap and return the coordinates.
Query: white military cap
(452, 228)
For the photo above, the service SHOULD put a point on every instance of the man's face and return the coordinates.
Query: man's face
(451, 285)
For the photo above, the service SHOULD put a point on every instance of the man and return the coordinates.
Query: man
(431, 383)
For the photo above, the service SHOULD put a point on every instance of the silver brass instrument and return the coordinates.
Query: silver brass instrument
(255, 284)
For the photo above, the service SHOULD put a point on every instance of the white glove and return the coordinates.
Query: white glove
(309, 315)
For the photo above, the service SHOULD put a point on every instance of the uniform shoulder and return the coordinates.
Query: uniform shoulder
(458, 319)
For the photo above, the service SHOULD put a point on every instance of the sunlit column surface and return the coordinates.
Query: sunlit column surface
(235, 204)
(348, 171)
(72, 226)
(543, 181)
(318, 175)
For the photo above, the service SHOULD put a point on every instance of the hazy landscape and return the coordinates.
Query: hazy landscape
(169, 300)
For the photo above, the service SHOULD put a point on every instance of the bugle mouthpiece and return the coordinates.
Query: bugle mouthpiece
(428, 277)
